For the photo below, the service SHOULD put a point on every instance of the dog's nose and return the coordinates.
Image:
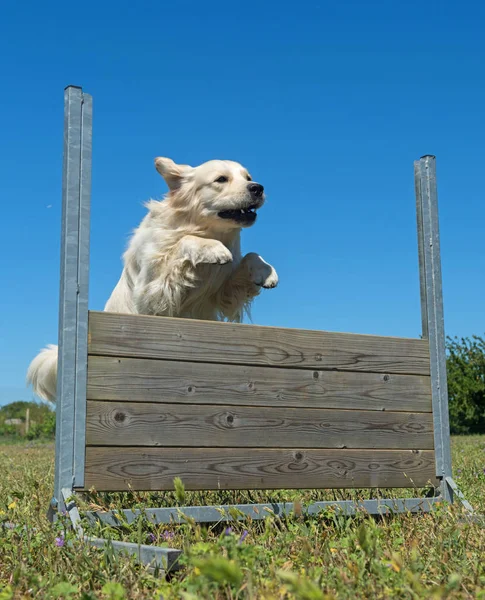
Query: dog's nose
(256, 189)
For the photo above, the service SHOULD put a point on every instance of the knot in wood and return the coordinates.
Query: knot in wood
(387, 377)
(120, 417)
(230, 419)
(298, 456)
(316, 375)
(190, 389)
(318, 357)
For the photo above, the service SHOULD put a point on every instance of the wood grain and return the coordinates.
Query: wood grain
(144, 380)
(140, 336)
(234, 468)
(141, 424)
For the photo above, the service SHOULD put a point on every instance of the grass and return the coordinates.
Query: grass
(324, 557)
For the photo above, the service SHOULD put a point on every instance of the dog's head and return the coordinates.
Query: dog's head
(219, 193)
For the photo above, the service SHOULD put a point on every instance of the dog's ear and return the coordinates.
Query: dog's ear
(171, 172)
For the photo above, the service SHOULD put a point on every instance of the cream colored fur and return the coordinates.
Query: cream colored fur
(184, 260)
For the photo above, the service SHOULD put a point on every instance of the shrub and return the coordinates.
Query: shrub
(42, 420)
(466, 384)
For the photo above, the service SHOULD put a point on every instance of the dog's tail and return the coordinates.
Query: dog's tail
(42, 373)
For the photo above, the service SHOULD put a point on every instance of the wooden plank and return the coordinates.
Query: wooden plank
(140, 336)
(145, 380)
(249, 468)
(142, 424)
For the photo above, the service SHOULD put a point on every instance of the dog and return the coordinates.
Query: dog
(184, 259)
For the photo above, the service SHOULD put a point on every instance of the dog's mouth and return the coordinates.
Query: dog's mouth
(241, 215)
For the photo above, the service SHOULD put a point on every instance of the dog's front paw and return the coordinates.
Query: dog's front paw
(215, 253)
(202, 251)
(261, 273)
(271, 281)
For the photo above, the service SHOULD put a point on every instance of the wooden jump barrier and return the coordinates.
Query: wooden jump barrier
(142, 400)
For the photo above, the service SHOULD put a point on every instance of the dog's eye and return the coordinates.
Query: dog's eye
(221, 179)
(249, 178)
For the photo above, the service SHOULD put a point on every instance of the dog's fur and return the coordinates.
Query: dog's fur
(184, 260)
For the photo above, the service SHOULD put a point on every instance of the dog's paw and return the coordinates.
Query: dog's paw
(215, 253)
(272, 280)
(208, 252)
(261, 273)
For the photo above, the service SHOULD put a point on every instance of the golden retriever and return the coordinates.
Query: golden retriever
(184, 260)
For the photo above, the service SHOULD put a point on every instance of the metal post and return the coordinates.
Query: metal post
(83, 291)
(432, 311)
(73, 315)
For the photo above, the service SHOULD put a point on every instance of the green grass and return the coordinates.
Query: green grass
(407, 556)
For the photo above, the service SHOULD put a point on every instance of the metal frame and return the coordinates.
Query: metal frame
(240, 512)
(72, 365)
(73, 301)
(432, 312)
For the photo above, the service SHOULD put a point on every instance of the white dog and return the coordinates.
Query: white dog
(184, 260)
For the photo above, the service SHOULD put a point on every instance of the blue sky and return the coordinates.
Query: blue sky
(328, 104)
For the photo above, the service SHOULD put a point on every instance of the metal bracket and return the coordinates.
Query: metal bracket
(470, 513)
(52, 510)
(156, 557)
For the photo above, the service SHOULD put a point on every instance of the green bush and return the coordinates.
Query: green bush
(45, 429)
(49, 424)
(42, 420)
(8, 430)
(466, 384)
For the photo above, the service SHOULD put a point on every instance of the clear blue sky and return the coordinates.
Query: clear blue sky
(327, 103)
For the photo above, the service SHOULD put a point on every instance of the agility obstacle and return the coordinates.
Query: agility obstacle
(142, 399)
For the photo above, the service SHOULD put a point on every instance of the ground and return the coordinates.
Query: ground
(407, 556)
